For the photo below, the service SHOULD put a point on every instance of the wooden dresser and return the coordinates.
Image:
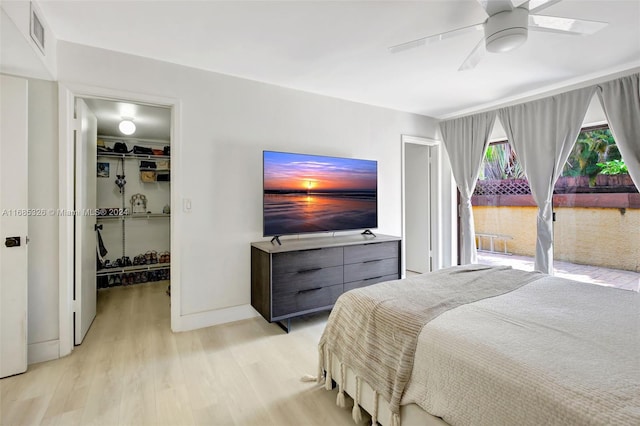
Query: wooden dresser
(309, 274)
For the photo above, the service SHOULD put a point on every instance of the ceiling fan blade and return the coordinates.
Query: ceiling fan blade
(434, 38)
(495, 6)
(537, 5)
(564, 25)
(474, 57)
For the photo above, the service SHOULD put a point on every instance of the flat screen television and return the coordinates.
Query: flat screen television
(312, 193)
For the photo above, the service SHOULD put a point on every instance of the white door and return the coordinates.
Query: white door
(13, 223)
(421, 204)
(85, 242)
(418, 207)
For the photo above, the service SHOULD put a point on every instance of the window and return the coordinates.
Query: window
(504, 211)
(596, 206)
(597, 211)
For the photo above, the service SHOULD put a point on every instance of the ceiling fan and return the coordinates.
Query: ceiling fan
(507, 28)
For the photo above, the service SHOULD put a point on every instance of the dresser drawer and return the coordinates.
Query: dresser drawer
(297, 261)
(370, 269)
(371, 251)
(305, 279)
(369, 281)
(290, 303)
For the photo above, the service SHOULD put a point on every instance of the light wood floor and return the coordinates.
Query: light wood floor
(132, 370)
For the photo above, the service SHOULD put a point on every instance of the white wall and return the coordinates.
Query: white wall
(595, 114)
(43, 230)
(19, 53)
(226, 123)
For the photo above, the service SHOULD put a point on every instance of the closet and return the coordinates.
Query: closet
(133, 195)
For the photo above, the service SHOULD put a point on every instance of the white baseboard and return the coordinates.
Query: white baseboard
(216, 317)
(43, 351)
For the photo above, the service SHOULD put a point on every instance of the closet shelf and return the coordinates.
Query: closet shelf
(134, 268)
(135, 216)
(132, 155)
(133, 139)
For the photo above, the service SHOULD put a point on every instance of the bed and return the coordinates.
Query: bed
(481, 345)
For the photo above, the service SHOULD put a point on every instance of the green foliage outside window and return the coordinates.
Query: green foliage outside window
(593, 149)
(500, 163)
(595, 152)
(613, 167)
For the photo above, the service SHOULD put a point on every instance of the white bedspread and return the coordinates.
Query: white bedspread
(554, 352)
(374, 330)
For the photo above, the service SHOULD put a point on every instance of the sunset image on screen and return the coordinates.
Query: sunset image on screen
(307, 193)
(294, 172)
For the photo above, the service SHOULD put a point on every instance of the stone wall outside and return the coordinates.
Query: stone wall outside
(607, 237)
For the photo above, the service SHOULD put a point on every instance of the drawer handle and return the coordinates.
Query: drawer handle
(309, 289)
(304, 271)
(372, 261)
(372, 278)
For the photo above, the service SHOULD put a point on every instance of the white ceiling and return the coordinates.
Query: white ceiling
(151, 122)
(339, 49)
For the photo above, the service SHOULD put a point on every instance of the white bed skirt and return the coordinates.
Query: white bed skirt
(410, 415)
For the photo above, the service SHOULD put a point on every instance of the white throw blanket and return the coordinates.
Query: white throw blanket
(374, 330)
(554, 352)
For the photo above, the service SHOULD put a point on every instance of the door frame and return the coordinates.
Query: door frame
(67, 93)
(435, 195)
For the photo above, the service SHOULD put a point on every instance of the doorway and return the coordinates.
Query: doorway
(421, 204)
(151, 161)
(123, 175)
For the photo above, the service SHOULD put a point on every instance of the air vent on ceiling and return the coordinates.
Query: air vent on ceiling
(37, 29)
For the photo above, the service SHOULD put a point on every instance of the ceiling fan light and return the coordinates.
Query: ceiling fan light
(506, 30)
(127, 127)
(506, 40)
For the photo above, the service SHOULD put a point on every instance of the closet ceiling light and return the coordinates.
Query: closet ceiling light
(127, 127)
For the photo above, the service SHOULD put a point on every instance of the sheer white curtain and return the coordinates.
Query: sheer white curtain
(466, 142)
(620, 100)
(543, 133)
